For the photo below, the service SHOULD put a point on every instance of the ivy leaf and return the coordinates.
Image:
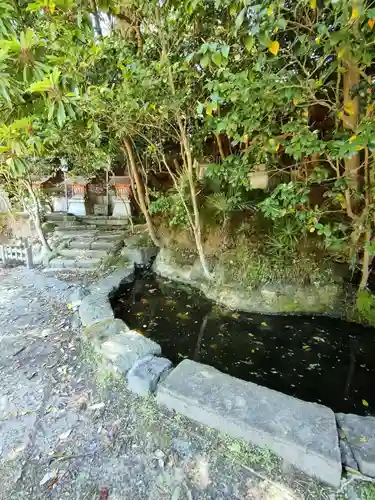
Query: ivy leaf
(249, 43)
(205, 61)
(225, 51)
(274, 47)
(216, 57)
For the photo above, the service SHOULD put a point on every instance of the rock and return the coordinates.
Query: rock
(100, 332)
(110, 284)
(125, 349)
(95, 308)
(360, 435)
(140, 256)
(146, 373)
(302, 433)
(276, 298)
(347, 457)
(75, 298)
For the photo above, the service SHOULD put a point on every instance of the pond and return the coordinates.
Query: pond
(313, 358)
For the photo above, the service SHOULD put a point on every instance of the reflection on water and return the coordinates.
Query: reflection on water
(313, 358)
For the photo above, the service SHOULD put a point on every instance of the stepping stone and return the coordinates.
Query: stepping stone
(304, 434)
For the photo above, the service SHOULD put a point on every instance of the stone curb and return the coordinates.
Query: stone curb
(307, 435)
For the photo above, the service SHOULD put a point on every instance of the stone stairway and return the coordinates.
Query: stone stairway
(82, 243)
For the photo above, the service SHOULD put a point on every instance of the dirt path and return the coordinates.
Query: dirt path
(69, 430)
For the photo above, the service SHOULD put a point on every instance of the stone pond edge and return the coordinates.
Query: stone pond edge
(147, 373)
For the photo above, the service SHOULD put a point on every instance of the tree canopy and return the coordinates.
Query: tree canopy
(217, 93)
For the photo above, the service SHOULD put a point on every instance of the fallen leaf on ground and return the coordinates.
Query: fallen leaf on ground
(96, 406)
(65, 435)
(49, 478)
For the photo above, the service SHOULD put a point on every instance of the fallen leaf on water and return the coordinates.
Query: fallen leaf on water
(263, 324)
(252, 350)
(364, 402)
(306, 347)
(251, 335)
(50, 478)
(363, 439)
(213, 346)
(235, 315)
(140, 313)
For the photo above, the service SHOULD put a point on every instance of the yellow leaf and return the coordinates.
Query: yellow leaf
(341, 53)
(295, 101)
(263, 324)
(359, 148)
(318, 40)
(213, 346)
(306, 347)
(251, 335)
(275, 30)
(274, 48)
(349, 108)
(269, 11)
(313, 4)
(340, 115)
(252, 350)
(355, 13)
(312, 229)
(371, 23)
(277, 147)
(353, 138)
(209, 110)
(364, 402)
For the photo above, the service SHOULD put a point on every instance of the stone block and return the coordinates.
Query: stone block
(304, 434)
(146, 373)
(110, 284)
(140, 256)
(98, 333)
(125, 349)
(360, 435)
(95, 308)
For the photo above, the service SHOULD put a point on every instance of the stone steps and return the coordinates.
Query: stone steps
(82, 253)
(65, 263)
(92, 244)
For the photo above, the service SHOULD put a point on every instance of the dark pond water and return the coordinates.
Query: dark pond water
(313, 358)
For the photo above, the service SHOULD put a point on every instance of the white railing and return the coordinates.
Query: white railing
(20, 255)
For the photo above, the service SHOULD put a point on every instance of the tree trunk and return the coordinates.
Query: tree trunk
(35, 214)
(140, 191)
(97, 18)
(350, 120)
(193, 194)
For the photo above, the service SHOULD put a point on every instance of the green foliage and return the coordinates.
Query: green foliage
(171, 207)
(365, 307)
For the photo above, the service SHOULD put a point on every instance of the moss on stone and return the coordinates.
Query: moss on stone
(365, 308)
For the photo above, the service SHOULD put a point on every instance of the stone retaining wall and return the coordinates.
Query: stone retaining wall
(307, 435)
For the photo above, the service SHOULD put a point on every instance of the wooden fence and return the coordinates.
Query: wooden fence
(16, 255)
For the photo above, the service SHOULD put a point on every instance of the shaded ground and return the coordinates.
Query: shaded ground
(68, 429)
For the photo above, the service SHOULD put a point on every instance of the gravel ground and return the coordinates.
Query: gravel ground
(70, 430)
